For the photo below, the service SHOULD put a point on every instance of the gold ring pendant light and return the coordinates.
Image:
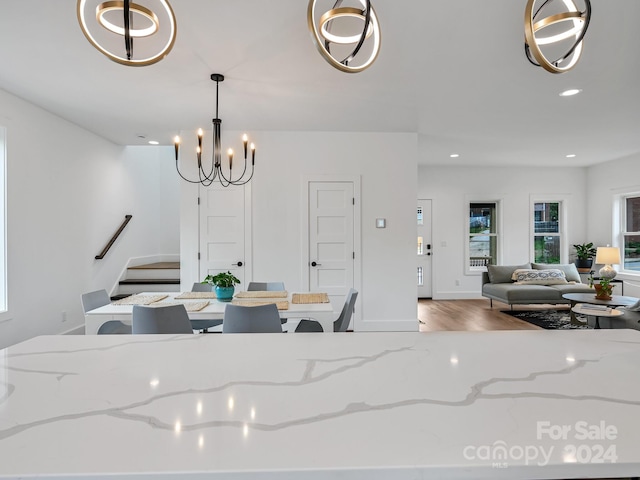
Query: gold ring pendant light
(328, 32)
(548, 33)
(112, 26)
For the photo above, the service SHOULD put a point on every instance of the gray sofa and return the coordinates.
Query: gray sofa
(497, 284)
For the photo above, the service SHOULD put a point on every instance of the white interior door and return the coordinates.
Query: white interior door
(424, 248)
(331, 239)
(222, 231)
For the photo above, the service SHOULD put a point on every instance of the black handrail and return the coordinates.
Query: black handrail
(113, 239)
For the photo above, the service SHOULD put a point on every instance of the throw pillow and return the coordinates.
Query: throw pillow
(539, 277)
(569, 269)
(503, 273)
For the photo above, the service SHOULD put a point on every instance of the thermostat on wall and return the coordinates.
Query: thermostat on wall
(381, 222)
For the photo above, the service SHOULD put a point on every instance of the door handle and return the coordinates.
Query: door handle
(239, 264)
(314, 264)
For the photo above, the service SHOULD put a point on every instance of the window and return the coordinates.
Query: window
(482, 235)
(631, 233)
(3, 222)
(547, 232)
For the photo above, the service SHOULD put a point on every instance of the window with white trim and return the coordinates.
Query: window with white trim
(483, 235)
(631, 232)
(548, 240)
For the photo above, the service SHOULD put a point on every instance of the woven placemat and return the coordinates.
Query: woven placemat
(262, 294)
(195, 295)
(281, 304)
(189, 306)
(139, 299)
(304, 298)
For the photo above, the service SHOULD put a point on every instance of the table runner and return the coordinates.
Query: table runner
(195, 295)
(262, 294)
(190, 306)
(281, 304)
(305, 298)
(139, 299)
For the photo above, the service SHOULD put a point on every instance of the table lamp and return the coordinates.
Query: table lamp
(607, 256)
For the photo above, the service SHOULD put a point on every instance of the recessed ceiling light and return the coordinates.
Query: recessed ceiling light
(571, 155)
(454, 155)
(570, 92)
(154, 142)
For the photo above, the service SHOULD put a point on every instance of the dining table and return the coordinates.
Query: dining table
(199, 307)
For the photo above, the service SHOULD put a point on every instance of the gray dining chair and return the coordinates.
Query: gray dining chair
(342, 322)
(203, 326)
(99, 298)
(265, 286)
(167, 319)
(202, 287)
(258, 319)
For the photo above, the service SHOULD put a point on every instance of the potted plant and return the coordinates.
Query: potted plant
(584, 256)
(224, 284)
(604, 288)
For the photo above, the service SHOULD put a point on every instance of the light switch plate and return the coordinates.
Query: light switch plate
(381, 222)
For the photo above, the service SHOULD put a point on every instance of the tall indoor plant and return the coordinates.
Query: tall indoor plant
(584, 256)
(224, 284)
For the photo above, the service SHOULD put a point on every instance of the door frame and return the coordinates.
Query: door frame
(248, 248)
(357, 234)
(430, 200)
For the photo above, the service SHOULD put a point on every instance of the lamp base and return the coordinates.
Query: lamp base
(607, 272)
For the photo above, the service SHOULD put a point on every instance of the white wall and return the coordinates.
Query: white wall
(386, 164)
(68, 191)
(604, 182)
(451, 188)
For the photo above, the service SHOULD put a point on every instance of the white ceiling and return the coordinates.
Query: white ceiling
(454, 72)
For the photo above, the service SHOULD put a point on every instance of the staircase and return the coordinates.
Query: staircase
(151, 277)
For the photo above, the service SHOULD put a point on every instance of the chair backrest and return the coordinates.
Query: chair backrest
(342, 323)
(168, 319)
(201, 287)
(258, 319)
(95, 299)
(265, 286)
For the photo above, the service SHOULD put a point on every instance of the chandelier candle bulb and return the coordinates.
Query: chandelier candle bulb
(253, 154)
(230, 153)
(176, 144)
(245, 139)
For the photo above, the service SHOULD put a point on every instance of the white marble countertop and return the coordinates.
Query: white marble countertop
(311, 406)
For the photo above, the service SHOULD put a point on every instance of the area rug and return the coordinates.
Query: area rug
(549, 319)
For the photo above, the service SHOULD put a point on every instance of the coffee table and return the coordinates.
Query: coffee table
(585, 310)
(616, 301)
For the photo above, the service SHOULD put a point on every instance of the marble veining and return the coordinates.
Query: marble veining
(227, 404)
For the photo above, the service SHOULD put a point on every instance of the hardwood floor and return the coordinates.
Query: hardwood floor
(472, 315)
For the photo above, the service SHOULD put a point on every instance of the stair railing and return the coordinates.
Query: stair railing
(104, 251)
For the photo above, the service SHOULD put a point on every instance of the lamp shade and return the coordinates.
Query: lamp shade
(608, 256)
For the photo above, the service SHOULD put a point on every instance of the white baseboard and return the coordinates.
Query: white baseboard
(77, 330)
(456, 295)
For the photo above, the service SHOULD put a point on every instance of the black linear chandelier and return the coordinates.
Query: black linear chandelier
(548, 32)
(328, 32)
(112, 26)
(207, 176)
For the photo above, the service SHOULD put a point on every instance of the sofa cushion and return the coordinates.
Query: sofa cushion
(503, 273)
(512, 293)
(550, 276)
(569, 269)
(573, 288)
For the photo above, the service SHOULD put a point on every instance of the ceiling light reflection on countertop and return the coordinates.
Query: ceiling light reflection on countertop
(571, 155)
(570, 92)
(454, 155)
